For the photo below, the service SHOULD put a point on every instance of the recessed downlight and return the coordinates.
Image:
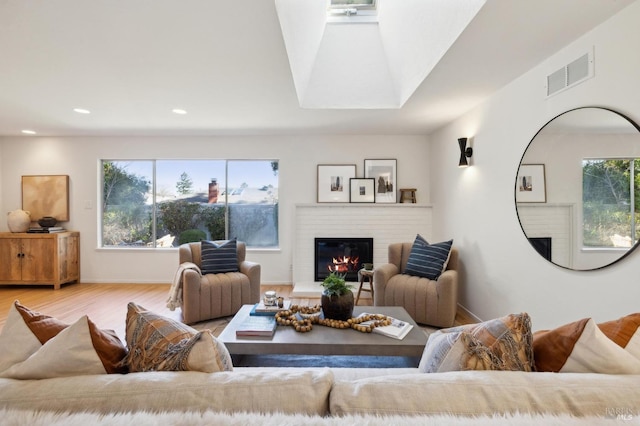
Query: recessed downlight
(82, 111)
(29, 132)
(179, 111)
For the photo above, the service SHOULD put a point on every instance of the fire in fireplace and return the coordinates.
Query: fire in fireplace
(343, 255)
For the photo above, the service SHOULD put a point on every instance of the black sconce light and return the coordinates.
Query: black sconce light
(464, 152)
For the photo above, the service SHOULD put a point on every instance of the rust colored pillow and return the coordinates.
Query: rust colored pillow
(580, 347)
(27, 331)
(621, 330)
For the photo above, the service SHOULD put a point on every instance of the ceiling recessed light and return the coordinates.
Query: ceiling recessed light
(179, 111)
(82, 111)
(28, 132)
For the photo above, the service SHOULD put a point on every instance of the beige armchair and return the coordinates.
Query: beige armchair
(217, 295)
(427, 301)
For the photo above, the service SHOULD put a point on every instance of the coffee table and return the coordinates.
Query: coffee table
(326, 340)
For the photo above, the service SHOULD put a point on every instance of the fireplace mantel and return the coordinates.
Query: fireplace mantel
(385, 223)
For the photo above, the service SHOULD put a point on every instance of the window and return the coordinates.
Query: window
(610, 202)
(351, 7)
(164, 203)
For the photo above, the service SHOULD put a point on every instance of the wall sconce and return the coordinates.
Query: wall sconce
(465, 152)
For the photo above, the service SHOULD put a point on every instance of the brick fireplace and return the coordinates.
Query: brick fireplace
(384, 223)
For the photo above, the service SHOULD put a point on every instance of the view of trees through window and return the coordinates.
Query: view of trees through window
(611, 202)
(165, 203)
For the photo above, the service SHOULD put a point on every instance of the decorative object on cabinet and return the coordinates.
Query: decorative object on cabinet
(333, 181)
(361, 190)
(385, 174)
(18, 220)
(40, 259)
(47, 221)
(46, 196)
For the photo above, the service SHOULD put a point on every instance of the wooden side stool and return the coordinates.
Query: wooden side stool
(408, 194)
(368, 275)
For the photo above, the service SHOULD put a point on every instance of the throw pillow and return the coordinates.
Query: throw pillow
(26, 332)
(499, 344)
(157, 343)
(428, 260)
(219, 258)
(580, 347)
(79, 349)
(625, 332)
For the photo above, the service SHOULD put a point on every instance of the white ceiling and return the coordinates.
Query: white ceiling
(132, 62)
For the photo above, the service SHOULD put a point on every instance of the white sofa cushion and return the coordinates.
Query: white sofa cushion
(266, 391)
(487, 392)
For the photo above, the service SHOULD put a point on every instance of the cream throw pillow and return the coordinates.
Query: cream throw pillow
(581, 347)
(69, 353)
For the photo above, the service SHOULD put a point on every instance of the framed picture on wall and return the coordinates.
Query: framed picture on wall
(384, 172)
(46, 196)
(362, 190)
(333, 182)
(531, 186)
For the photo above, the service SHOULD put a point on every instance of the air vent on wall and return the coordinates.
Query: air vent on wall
(571, 74)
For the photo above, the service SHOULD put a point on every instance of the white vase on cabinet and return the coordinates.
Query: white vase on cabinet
(18, 220)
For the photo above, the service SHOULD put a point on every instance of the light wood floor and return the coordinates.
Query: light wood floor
(106, 304)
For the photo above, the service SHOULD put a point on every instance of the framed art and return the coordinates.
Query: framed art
(384, 172)
(530, 184)
(46, 196)
(333, 182)
(362, 190)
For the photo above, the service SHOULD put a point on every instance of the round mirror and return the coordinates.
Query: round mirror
(577, 189)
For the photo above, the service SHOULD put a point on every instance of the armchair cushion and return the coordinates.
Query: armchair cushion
(428, 260)
(219, 258)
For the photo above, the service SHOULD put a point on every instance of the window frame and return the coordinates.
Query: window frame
(151, 199)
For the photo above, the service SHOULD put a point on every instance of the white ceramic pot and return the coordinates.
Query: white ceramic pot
(18, 221)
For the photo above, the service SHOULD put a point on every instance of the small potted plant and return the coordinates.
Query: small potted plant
(337, 298)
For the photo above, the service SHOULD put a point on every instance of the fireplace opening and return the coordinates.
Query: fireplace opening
(542, 246)
(343, 255)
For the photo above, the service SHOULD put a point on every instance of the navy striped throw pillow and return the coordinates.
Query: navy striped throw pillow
(428, 260)
(218, 258)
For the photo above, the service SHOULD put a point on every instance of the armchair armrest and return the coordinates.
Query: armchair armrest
(252, 270)
(381, 275)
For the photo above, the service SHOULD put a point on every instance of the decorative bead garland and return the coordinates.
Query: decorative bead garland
(304, 325)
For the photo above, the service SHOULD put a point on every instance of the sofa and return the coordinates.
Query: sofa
(485, 373)
(318, 393)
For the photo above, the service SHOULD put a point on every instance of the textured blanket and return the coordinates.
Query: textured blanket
(34, 418)
(175, 293)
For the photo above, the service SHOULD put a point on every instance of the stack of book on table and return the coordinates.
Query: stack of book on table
(262, 309)
(257, 326)
(45, 229)
(398, 328)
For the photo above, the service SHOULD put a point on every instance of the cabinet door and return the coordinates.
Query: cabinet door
(10, 262)
(38, 263)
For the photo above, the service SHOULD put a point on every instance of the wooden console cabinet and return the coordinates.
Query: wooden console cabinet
(39, 259)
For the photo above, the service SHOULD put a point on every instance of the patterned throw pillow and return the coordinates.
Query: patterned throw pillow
(499, 344)
(219, 258)
(581, 347)
(428, 260)
(37, 346)
(157, 343)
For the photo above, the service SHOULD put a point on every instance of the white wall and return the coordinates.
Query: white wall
(79, 158)
(501, 273)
